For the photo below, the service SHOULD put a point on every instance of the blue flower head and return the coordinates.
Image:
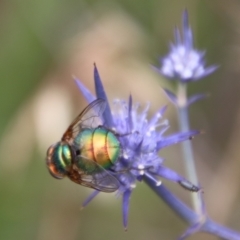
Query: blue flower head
(184, 62)
(141, 140)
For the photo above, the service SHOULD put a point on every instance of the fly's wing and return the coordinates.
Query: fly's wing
(90, 117)
(103, 182)
(96, 177)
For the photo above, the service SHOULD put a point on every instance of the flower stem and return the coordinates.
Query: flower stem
(187, 145)
(190, 216)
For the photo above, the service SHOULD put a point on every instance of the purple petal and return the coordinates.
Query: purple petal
(187, 33)
(144, 113)
(164, 128)
(196, 98)
(125, 207)
(185, 19)
(171, 96)
(209, 71)
(177, 38)
(100, 92)
(139, 147)
(175, 138)
(200, 73)
(169, 174)
(175, 177)
(130, 121)
(202, 55)
(153, 178)
(90, 198)
(157, 70)
(157, 116)
(86, 93)
(162, 110)
(172, 48)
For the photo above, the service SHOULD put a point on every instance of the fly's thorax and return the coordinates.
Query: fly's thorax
(59, 159)
(98, 145)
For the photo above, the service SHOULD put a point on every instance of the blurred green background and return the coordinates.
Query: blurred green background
(43, 43)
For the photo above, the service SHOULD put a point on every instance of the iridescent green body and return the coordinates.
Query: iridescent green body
(86, 151)
(100, 145)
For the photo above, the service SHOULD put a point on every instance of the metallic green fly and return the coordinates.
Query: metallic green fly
(87, 151)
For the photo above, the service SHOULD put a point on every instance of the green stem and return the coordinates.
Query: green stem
(187, 145)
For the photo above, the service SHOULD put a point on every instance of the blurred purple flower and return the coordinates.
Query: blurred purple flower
(141, 139)
(183, 62)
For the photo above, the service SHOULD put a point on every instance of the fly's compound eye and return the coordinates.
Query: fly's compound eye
(59, 160)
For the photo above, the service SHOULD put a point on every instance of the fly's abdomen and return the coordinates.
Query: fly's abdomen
(106, 147)
(100, 148)
(113, 147)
